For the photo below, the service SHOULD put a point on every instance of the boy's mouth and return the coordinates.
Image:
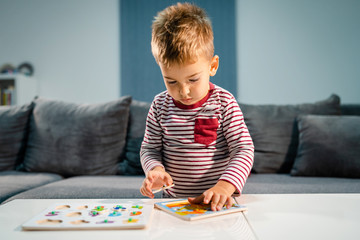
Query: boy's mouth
(186, 100)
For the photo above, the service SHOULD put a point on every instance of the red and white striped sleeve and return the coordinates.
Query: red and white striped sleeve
(241, 147)
(151, 147)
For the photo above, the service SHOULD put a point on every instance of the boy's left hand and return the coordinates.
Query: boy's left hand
(219, 196)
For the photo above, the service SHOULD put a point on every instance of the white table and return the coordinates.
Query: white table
(303, 216)
(162, 226)
(270, 216)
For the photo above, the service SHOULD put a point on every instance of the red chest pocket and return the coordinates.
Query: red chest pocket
(205, 130)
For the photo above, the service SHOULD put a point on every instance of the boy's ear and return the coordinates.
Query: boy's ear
(214, 65)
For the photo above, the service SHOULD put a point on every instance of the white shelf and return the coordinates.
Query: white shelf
(25, 88)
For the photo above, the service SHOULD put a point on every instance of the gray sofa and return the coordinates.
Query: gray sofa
(56, 149)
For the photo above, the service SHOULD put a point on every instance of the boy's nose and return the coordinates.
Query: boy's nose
(184, 90)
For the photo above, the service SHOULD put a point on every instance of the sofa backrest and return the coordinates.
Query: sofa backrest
(350, 109)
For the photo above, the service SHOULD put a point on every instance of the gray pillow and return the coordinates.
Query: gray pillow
(77, 139)
(13, 129)
(329, 146)
(274, 131)
(350, 109)
(137, 122)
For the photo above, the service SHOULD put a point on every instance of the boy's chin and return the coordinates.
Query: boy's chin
(187, 102)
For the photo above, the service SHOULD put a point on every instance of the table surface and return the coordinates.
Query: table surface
(162, 225)
(269, 216)
(303, 216)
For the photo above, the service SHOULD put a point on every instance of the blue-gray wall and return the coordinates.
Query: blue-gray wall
(288, 51)
(73, 46)
(292, 51)
(140, 75)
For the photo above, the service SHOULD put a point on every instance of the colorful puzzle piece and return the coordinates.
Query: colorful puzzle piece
(130, 220)
(119, 208)
(137, 206)
(105, 221)
(135, 213)
(115, 214)
(99, 208)
(52, 213)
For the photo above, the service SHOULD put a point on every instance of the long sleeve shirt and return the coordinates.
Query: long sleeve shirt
(199, 144)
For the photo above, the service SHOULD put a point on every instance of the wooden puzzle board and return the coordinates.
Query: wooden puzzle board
(92, 216)
(184, 210)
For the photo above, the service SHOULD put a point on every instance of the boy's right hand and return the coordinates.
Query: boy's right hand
(155, 179)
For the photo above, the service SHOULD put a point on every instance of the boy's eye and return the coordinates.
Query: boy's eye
(171, 82)
(194, 80)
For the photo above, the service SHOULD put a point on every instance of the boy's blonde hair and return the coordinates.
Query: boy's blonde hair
(181, 34)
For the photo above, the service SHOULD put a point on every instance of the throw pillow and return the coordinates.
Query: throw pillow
(77, 139)
(274, 131)
(350, 109)
(13, 132)
(137, 121)
(329, 146)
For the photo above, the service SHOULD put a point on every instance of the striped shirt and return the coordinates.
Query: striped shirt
(198, 145)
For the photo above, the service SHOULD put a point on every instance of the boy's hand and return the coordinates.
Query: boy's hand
(156, 178)
(219, 195)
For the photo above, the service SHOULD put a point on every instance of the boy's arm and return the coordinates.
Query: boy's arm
(240, 145)
(241, 160)
(151, 147)
(150, 156)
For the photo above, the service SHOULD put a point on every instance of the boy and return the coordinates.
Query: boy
(195, 133)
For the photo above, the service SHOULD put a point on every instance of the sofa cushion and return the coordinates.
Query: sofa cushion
(13, 129)
(14, 182)
(137, 122)
(88, 187)
(329, 146)
(77, 139)
(284, 183)
(273, 129)
(350, 109)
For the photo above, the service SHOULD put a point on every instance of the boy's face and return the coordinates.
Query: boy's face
(189, 83)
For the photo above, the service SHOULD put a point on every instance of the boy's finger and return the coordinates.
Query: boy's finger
(196, 200)
(149, 193)
(230, 202)
(148, 185)
(168, 180)
(208, 197)
(221, 203)
(144, 192)
(150, 178)
(214, 202)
